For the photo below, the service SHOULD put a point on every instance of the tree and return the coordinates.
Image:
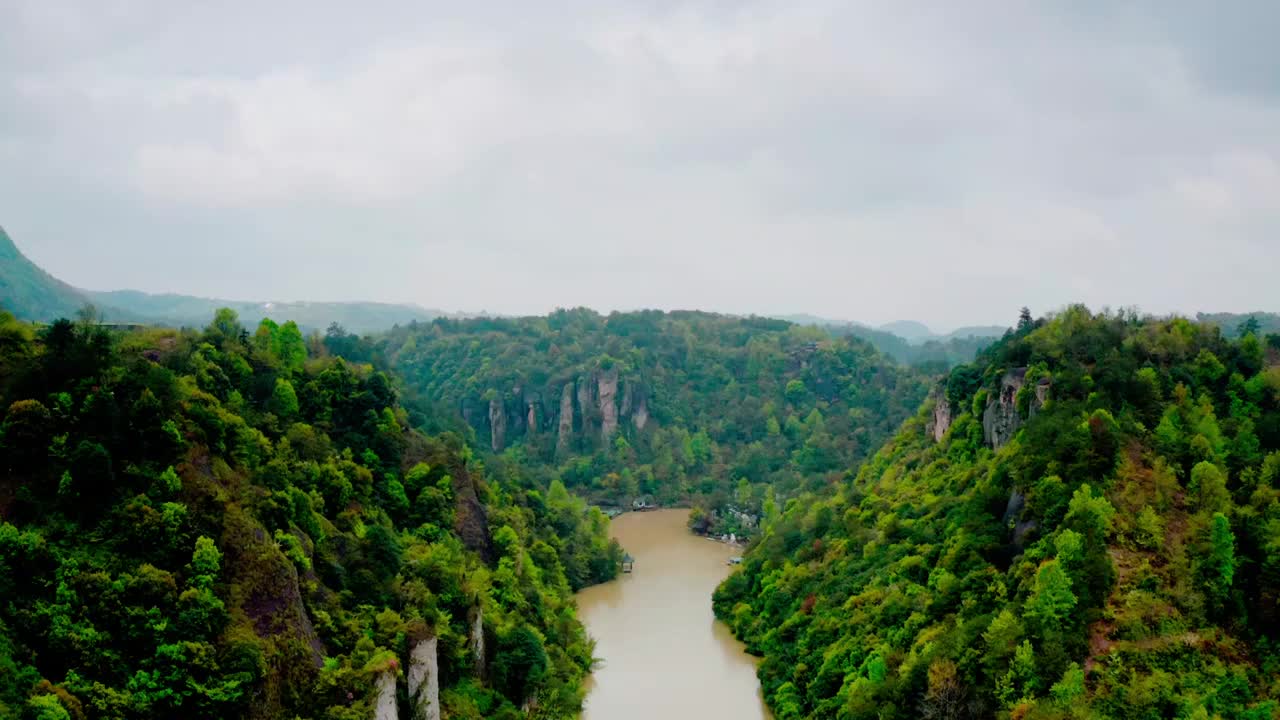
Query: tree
(1021, 679)
(169, 482)
(206, 561)
(796, 393)
(225, 329)
(520, 664)
(772, 428)
(1052, 601)
(1249, 326)
(25, 434)
(1219, 567)
(1210, 487)
(284, 400)
(1067, 691)
(1149, 529)
(945, 698)
(265, 336)
(47, 707)
(290, 347)
(1025, 322)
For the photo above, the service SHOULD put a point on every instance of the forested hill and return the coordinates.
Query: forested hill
(236, 524)
(30, 293)
(669, 406)
(1085, 523)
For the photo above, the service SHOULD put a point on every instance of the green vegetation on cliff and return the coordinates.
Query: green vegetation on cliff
(673, 407)
(1117, 554)
(234, 523)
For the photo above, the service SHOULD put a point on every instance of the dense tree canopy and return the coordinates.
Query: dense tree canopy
(226, 524)
(1118, 557)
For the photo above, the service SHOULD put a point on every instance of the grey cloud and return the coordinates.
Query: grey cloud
(930, 160)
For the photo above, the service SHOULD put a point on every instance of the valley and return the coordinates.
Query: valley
(1079, 522)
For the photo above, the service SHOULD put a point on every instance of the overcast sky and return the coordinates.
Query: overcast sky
(947, 162)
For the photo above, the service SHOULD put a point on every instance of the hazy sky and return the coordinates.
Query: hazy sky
(947, 161)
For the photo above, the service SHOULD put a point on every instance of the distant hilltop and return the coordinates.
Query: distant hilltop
(30, 293)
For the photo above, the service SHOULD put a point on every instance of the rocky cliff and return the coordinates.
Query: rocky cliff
(497, 425)
(471, 520)
(424, 679)
(564, 433)
(1001, 420)
(477, 641)
(641, 416)
(942, 415)
(385, 706)
(585, 411)
(607, 396)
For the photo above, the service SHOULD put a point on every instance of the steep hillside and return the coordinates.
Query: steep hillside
(1084, 523)
(673, 406)
(219, 525)
(31, 293)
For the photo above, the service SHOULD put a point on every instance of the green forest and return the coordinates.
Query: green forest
(672, 408)
(240, 522)
(232, 521)
(1083, 523)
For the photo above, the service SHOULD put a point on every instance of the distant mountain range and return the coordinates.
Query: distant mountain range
(913, 332)
(30, 293)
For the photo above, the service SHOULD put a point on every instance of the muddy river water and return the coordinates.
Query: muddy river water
(664, 655)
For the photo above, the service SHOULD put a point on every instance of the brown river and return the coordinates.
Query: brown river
(663, 654)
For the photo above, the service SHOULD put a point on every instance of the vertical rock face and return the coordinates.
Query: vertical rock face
(471, 520)
(584, 402)
(533, 418)
(424, 680)
(1000, 421)
(385, 707)
(497, 424)
(608, 395)
(641, 416)
(941, 416)
(477, 641)
(565, 431)
(628, 391)
(1041, 397)
(1013, 518)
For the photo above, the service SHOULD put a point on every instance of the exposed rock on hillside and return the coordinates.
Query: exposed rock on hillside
(565, 432)
(641, 416)
(497, 424)
(385, 708)
(941, 415)
(477, 641)
(596, 402)
(608, 394)
(424, 680)
(1001, 421)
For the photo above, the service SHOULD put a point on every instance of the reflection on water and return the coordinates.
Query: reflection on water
(664, 655)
